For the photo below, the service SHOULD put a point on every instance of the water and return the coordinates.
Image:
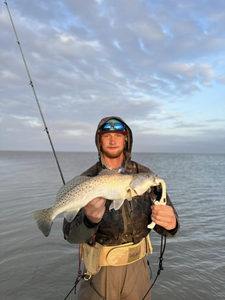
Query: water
(35, 267)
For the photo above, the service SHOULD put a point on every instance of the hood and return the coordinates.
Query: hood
(129, 143)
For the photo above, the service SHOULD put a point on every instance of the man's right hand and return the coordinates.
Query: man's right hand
(95, 209)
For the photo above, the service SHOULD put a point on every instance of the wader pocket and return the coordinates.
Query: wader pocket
(90, 257)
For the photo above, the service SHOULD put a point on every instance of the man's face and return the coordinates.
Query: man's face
(112, 144)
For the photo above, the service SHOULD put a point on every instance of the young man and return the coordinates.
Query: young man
(118, 233)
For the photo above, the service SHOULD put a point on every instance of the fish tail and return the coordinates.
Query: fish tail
(44, 220)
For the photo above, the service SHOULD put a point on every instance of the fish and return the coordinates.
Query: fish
(79, 191)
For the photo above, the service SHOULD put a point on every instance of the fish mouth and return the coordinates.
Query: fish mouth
(156, 180)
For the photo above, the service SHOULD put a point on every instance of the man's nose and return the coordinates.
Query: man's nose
(112, 140)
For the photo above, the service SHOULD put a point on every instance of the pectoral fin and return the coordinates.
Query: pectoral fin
(116, 204)
(128, 194)
(70, 215)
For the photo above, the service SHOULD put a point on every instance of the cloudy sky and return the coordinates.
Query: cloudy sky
(160, 65)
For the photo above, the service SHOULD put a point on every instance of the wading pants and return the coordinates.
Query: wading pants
(130, 282)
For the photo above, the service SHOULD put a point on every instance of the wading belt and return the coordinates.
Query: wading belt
(124, 254)
(98, 256)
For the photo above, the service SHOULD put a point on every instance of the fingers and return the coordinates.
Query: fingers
(164, 216)
(96, 202)
(95, 209)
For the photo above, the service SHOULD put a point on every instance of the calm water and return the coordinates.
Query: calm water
(35, 267)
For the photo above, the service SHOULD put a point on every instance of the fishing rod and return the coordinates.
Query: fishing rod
(35, 95)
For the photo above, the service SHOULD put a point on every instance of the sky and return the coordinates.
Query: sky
(159, 65)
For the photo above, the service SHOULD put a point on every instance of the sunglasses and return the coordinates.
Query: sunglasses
(115, 126)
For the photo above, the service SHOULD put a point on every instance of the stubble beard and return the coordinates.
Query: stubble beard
(116, 154)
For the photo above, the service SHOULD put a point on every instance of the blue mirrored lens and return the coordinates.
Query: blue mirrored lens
(113, 126)
(118, 126)
(106, 127)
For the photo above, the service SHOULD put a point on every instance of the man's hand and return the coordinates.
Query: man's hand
(164, 216)
(95, 209)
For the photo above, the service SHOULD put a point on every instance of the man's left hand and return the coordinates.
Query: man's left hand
(164, 216)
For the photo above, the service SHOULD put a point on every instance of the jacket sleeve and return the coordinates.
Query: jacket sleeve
(80, 230)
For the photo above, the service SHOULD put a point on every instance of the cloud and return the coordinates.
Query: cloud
(167, 116)
(221, 79)
(188, 125)
(216, 120)
(148, 31)
(28, 121)
(197, 72)
(149, 62)
(10, 76)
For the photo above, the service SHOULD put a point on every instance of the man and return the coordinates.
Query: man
(106, 231)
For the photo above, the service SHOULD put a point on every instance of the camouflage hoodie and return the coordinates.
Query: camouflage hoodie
(129, 223)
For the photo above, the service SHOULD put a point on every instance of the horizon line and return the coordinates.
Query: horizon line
(138, 152)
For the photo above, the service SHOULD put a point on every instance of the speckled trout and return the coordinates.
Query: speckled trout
(82, 189)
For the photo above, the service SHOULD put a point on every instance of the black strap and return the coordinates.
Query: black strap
(92, 285)
(74, 288)
(162, 250)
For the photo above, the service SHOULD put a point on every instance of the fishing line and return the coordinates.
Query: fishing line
(35, 95)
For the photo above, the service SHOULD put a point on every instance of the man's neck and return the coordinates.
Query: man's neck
(113, 162)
